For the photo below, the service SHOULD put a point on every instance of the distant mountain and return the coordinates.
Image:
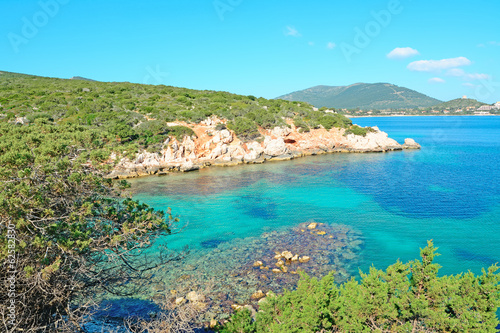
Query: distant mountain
(362, 95)
(459, 103)
(81, 78)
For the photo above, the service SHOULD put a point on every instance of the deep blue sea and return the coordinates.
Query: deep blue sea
(448, 192)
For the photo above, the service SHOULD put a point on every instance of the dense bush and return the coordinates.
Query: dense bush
(220, 127)
(244, 128)
(180, 132)
(300, 123)
(241, 322)
(74, 238)
(356, 130)
(404, 298)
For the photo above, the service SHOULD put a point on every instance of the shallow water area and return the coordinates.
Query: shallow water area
(391, 202)
(233, 271)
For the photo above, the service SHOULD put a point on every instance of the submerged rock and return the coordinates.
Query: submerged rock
(287, 255)
(258, 264)
(304, 259)
(257, 295)
(180, 300)
(193, 296)
(312, 225)
(235, 269)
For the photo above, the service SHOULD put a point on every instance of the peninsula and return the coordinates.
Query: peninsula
(212, 147)
(130, 130)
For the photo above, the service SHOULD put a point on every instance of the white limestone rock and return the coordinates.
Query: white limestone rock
(275, 147)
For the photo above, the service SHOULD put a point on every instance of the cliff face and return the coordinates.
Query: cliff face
(223, 148)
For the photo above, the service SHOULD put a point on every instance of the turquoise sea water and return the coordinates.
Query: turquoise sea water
(448, 192)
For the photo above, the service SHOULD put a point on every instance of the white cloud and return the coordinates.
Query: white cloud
(476, 76)
(455, 72)
(438, 65)
(311, 43)
(402, 53)
(468, 84)
(331, 45)
(436, 80)
(291, 31)
(458, 72)
(493, 43)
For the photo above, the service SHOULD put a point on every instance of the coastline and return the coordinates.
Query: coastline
(422, 115)
(222, 148)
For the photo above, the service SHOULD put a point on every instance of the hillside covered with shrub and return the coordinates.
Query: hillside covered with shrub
(75, 238)
(134, 116)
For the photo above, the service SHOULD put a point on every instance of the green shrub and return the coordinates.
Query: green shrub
(404, 298)
(151, 128)
(70, 226)
(220, 127)
(356, 130)
(244, 128)
(241, 322)
(307, 309)
(299, 122)
(180, 132)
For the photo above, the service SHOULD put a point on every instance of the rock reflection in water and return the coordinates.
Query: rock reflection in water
(212, 243)
(257, 206)
(207, 182)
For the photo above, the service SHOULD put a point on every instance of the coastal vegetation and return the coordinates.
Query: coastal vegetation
(137, 116)
(406, 297)
(68, 236)
(356, 130)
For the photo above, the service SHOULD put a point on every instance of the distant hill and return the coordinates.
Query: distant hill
(81, 78)
(459, 103)
(362, 95)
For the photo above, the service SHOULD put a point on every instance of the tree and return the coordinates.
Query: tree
(65, 235)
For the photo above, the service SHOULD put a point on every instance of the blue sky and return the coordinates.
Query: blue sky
(263, 48)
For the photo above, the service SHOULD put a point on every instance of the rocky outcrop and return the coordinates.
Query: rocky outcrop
(275, 147)
(373, 142)
(410, 144)
(212, 147)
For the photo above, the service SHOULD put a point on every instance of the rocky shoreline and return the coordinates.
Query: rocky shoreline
(214, 145)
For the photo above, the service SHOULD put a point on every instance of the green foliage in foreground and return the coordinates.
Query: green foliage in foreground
(65, 234)
(404, 298)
